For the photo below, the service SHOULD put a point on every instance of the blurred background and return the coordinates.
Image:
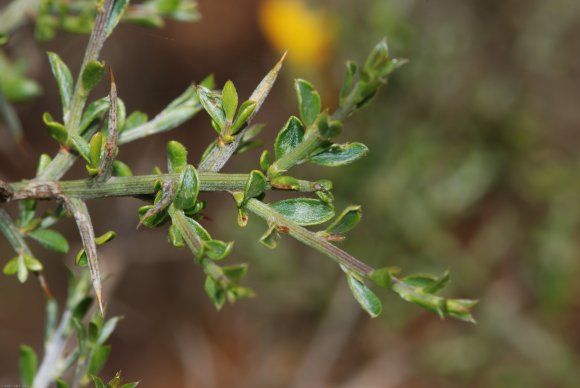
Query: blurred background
(473, 167)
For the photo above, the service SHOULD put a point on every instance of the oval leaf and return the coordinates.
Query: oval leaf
(176, 156)
(56, 129)
(289, 137)
(50, 239)
(308, 101)
(11, 268)
(364, 296)
(94, 111)
(246, 110)
(255, 185)
(229, 100)
(63, 78)
(340, 154)
(27, 365)
(212, 105)
(304, 211)
(347, 220)
(92, 74)
(188, 189)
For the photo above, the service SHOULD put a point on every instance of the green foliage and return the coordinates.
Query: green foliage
(87, 131)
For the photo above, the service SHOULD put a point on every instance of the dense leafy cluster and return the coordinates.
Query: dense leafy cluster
(93, 131)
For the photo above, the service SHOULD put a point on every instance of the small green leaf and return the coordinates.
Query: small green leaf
(289, 137)
(121, 169)
(107, 330)
(327, 128)
(50, 239)
(255, 186)
(364, 296)
(56, 129)
(152, 220)
(4, 37)
(11, 267)
(271, 237)
(346, 221)
(80, 145)
(213, 106)
(106, 237)
(208, 82)
(309, 104)
(81, 257)
(246, 110)
(187, 188)
(235, 272)
(304, 211)
(92, 74)
(215, 292)
(439, 283)
(98, 382)
(94, 111)
(95, 146)
(199, 230)
(351, 70)
(174, 237)
(99, 359)
(285, 182)
(22, 273)
(265, 160)
(176, 156)
(134, 120)
(461, 309)
(217, 250)
(119, 8)
(63, 78)
(340, 154)
(27, 365)
(230, 100)
(420, 281)
(378, 56)
(383, 277)
(428, 283)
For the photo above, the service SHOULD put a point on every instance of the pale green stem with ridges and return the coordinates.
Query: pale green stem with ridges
(132, 186)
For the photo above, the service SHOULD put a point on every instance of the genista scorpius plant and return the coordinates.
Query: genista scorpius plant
(91, 132)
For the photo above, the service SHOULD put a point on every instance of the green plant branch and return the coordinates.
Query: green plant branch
(53, 363)
(65, 158)
(12, 233)
(221, 153)
(10, 230)
(130, 186)
(175, 114)
(307, 237)
(457, 308)
(94, 46)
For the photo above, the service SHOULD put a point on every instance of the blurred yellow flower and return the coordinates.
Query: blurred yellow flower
(291, 25)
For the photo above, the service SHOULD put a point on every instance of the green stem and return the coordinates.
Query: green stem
(12, 234)
(131, 186)
(195, 245)
(218, 156)
(65, 159)
(309, 238)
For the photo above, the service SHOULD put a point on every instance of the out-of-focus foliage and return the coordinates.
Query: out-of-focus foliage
(475, 168)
